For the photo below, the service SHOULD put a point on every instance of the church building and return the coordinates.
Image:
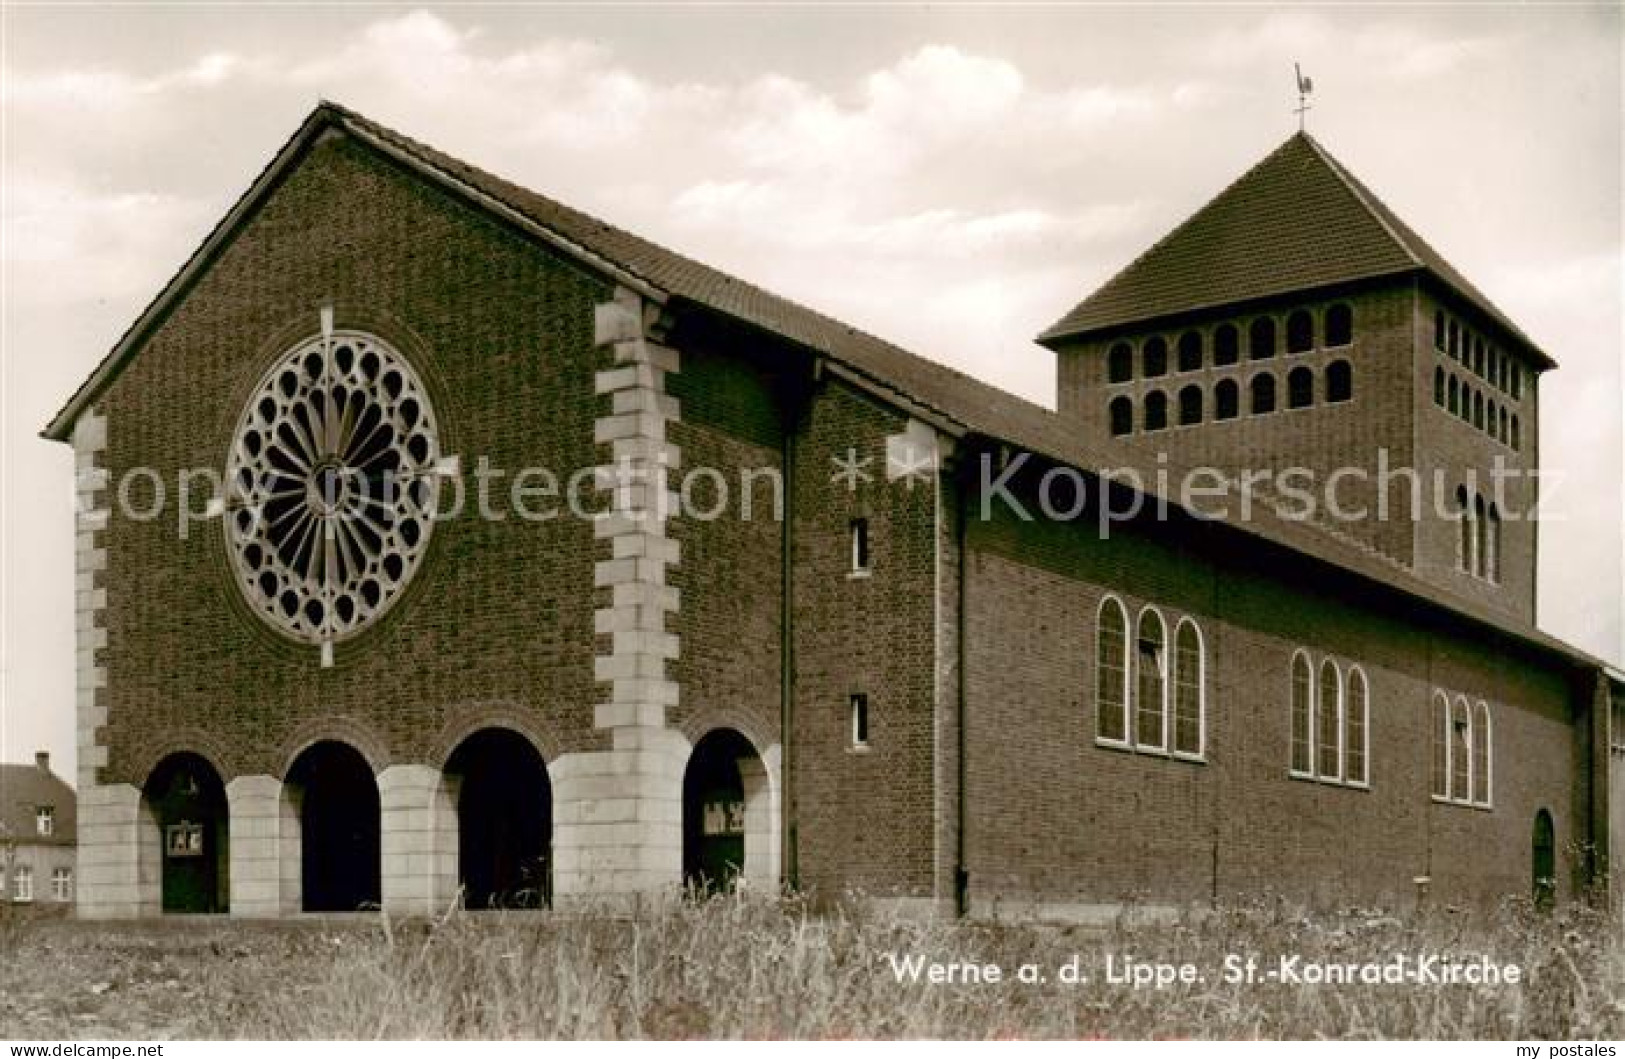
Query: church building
(438, 543)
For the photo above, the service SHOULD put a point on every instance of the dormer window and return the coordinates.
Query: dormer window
(45, 821)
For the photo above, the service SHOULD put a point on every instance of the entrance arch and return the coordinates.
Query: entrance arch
(1543, 860)
(728, 815)
(186, 802)
(335, 797)
(504, 821)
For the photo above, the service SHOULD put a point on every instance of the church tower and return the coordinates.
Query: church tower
(1295, 328)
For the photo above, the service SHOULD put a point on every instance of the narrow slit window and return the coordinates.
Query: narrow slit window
(860, 545)
(859, 705)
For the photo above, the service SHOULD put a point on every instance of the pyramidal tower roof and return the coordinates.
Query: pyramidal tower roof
(1296, 221)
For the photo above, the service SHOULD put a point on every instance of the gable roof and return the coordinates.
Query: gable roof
(23, 790)
(1298, 220)
(953, 401)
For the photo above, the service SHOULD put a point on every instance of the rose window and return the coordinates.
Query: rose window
(332, 479)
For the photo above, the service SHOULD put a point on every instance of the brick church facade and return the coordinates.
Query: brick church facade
(826, 626)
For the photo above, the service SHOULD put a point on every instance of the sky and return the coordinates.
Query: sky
(952, 178)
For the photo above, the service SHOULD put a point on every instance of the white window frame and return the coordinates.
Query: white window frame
(1309, 708)
(22, 883)
(1365, 726)
(1337, 750)
(860, 548)
(858, 707)
(62, 884)
(1466, 710)
(1127, 741)
(1162, 665)
(1481, 719)
(45, 821)
(1201, 693)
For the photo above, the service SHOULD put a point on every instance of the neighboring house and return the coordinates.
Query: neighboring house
(38, 832)
(328, 698)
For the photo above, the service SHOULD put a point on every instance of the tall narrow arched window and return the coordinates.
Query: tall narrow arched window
(1483, 755)
(1300, 332)
(1190, 351)
(1263, 393)
(1516, 443)
(1478, 357)
(1339, 382)
(1226, 399)
(1122, 416)
(1356, 728)
(1156, 410)
(1490, 418)
(1494, 537)
(1439, 725)
(1111, 672)
(1120, 363)
(1151, 682)
(1261, 338)
(1190, 405)
(1543, 860)
(1226, 345)
(1303, 707)
(1190, 666)
(1438, 387)
(1339, 325)
(1455, 396)
(1481, 543)
(1461, 750)
(1464, 534)
(1478, 409)
(1455, 340)
(1154, 358)
(1517, 382)
(1438, 329)
(1300, 388)
(1329, 722)
(1501, 431)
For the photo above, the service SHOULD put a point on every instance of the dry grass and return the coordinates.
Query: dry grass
(733, 967)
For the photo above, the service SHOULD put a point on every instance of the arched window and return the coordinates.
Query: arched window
(1154, 358)
(1300, 388)
(1516, 444)
(1190, 666)
(1490, 420)
(1543, 860)
(1455, 340)
(1226, 399)
(1493, 566)
(1438, 387)
(1356, 733)
(1339, 382)
(1329, 722)
(1120, 363)
(1190, 351)
(1122, 416)
(1303, 706)
(1339, 325)
(1455, 396)
(1481, 532)
(1111, 672)
(1482, 756)
(1478, 409)
(1478, 357)
(1440, 727)
(1190, 405)
(1438, 329)
(1517, 382)
(1151, 682)
(1464, 528)
(1263, 393)
(1501, 430)
(1226, 345)
(1300, 332)
(1156, 410)
(1461, 750)
(1261, 338)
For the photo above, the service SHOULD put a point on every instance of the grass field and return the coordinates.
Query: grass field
(733, 967)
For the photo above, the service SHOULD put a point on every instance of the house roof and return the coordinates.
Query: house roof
(24, 789)
(955, 402)
(1298, 220)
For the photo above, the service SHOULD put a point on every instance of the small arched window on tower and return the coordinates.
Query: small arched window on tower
(1122, 416)
(1261, 338)
(1438, 387)
(1111, 673)
(1300, 332)
(1516, 443)
(1455, 340)
(1156, 410)
(1339, 325)
(1438, 330)
(1517, 383)
(1491, 419)
(1478, 357)
(1455, 396)
(1226, 399)
(1120, 362)
(1478, 409)
(1481, 531)
(1263, 393)
(1154, 358)
(1190, 351)
(1190, 405)
(1501, 430)
(1226, 345)
(1494, 564)
(1464, 531)
(1302, 716)
(1339, 382)
(1300, 388)
(1151, 682)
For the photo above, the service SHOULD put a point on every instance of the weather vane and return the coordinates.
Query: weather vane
(1305, 86)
